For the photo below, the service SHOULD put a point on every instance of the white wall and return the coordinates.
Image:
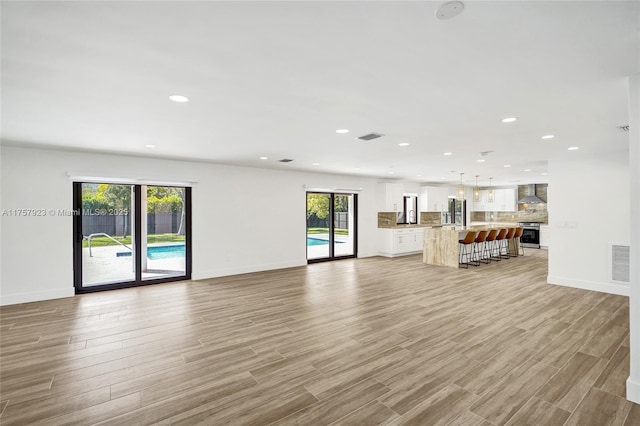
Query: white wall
(269, 233)
(588, 211)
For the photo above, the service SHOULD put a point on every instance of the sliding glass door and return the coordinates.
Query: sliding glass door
(128, 235)
(331, 226)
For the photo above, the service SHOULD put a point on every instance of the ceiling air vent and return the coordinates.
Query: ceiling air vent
(370, 136)
(623, 128)
(285, 160)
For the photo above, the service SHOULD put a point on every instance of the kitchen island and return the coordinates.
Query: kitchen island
(441, 245)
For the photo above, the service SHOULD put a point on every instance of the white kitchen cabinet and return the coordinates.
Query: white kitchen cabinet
(398, 242)
(434, 199)
(504, 200)
(544, 236)
(390, 196)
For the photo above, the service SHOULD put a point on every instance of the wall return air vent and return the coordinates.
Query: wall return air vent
(370, 136)
(620, 258)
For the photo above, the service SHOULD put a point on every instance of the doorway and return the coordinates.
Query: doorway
(331, 226)
(129, 235)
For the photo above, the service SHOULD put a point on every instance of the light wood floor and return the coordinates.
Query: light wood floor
(353, 342)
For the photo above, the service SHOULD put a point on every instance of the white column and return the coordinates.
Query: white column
(143, 227)
(633, 382)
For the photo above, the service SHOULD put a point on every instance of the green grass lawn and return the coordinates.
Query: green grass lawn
(326, 231)
(151, 239)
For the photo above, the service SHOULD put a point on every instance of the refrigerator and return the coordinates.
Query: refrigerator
(458, 211)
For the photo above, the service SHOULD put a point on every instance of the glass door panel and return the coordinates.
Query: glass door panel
(342, 225)
(108, 246)
(163, 250)
(318, 225)
(331, 226)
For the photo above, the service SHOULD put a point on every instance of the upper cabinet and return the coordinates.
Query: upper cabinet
(504, 200)
(390, 197)
(434, 199)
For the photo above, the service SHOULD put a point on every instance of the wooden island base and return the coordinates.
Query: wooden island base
(441, 246)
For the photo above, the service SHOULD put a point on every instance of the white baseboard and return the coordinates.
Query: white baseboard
(397, 254)
(633, 390)
(368, 254)
(36, 296)
(225, 272)
(611, 288)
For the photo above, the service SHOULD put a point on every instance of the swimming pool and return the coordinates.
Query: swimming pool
(319, 242)
(160, 252)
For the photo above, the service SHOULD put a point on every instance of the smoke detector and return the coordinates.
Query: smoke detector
(449, 10)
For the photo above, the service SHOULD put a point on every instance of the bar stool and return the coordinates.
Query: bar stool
(516, 240)
(464, 245)
(497, 244)
(480, 255)
(505, 243)
(490, 241)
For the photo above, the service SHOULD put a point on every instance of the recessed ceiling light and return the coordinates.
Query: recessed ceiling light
(544, 174)
(507, 165)
(390, 173)
(441, 178)
(548, 137)
(264, 158)
(315, 164)
(480, 161)
(448, 153)
(178, 98)
(509, 119)
(418, 175)
(403, 144)
(149, 146)
(342, 131)
(527, 170)
(573, 148)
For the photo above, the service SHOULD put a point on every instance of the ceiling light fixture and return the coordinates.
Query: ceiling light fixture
(527, 170)
(448, 153)
(315, 164)
(507, 165)
(490, 194)
(509, 119)
(403, 144)
(573, 148)
(548, 137)
(544, 174)
(476, 191)
(461, 189)
(480, 161)
(342, 131)
(149, 146)
(264, 158)
(178, 98)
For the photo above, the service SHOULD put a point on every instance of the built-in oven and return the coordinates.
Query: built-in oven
(530, 234)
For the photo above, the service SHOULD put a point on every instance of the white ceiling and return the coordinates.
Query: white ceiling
(277, 79)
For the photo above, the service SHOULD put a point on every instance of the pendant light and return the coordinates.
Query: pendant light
(490, 193)
(476, 191)
(461, 189)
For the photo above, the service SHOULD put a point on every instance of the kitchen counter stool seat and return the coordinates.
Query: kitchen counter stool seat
(480, 252)
(465, 247)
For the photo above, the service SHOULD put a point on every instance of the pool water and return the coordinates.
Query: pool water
(319, 242)
(161, 252)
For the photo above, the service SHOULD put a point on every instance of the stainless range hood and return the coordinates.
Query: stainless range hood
(531, 198)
